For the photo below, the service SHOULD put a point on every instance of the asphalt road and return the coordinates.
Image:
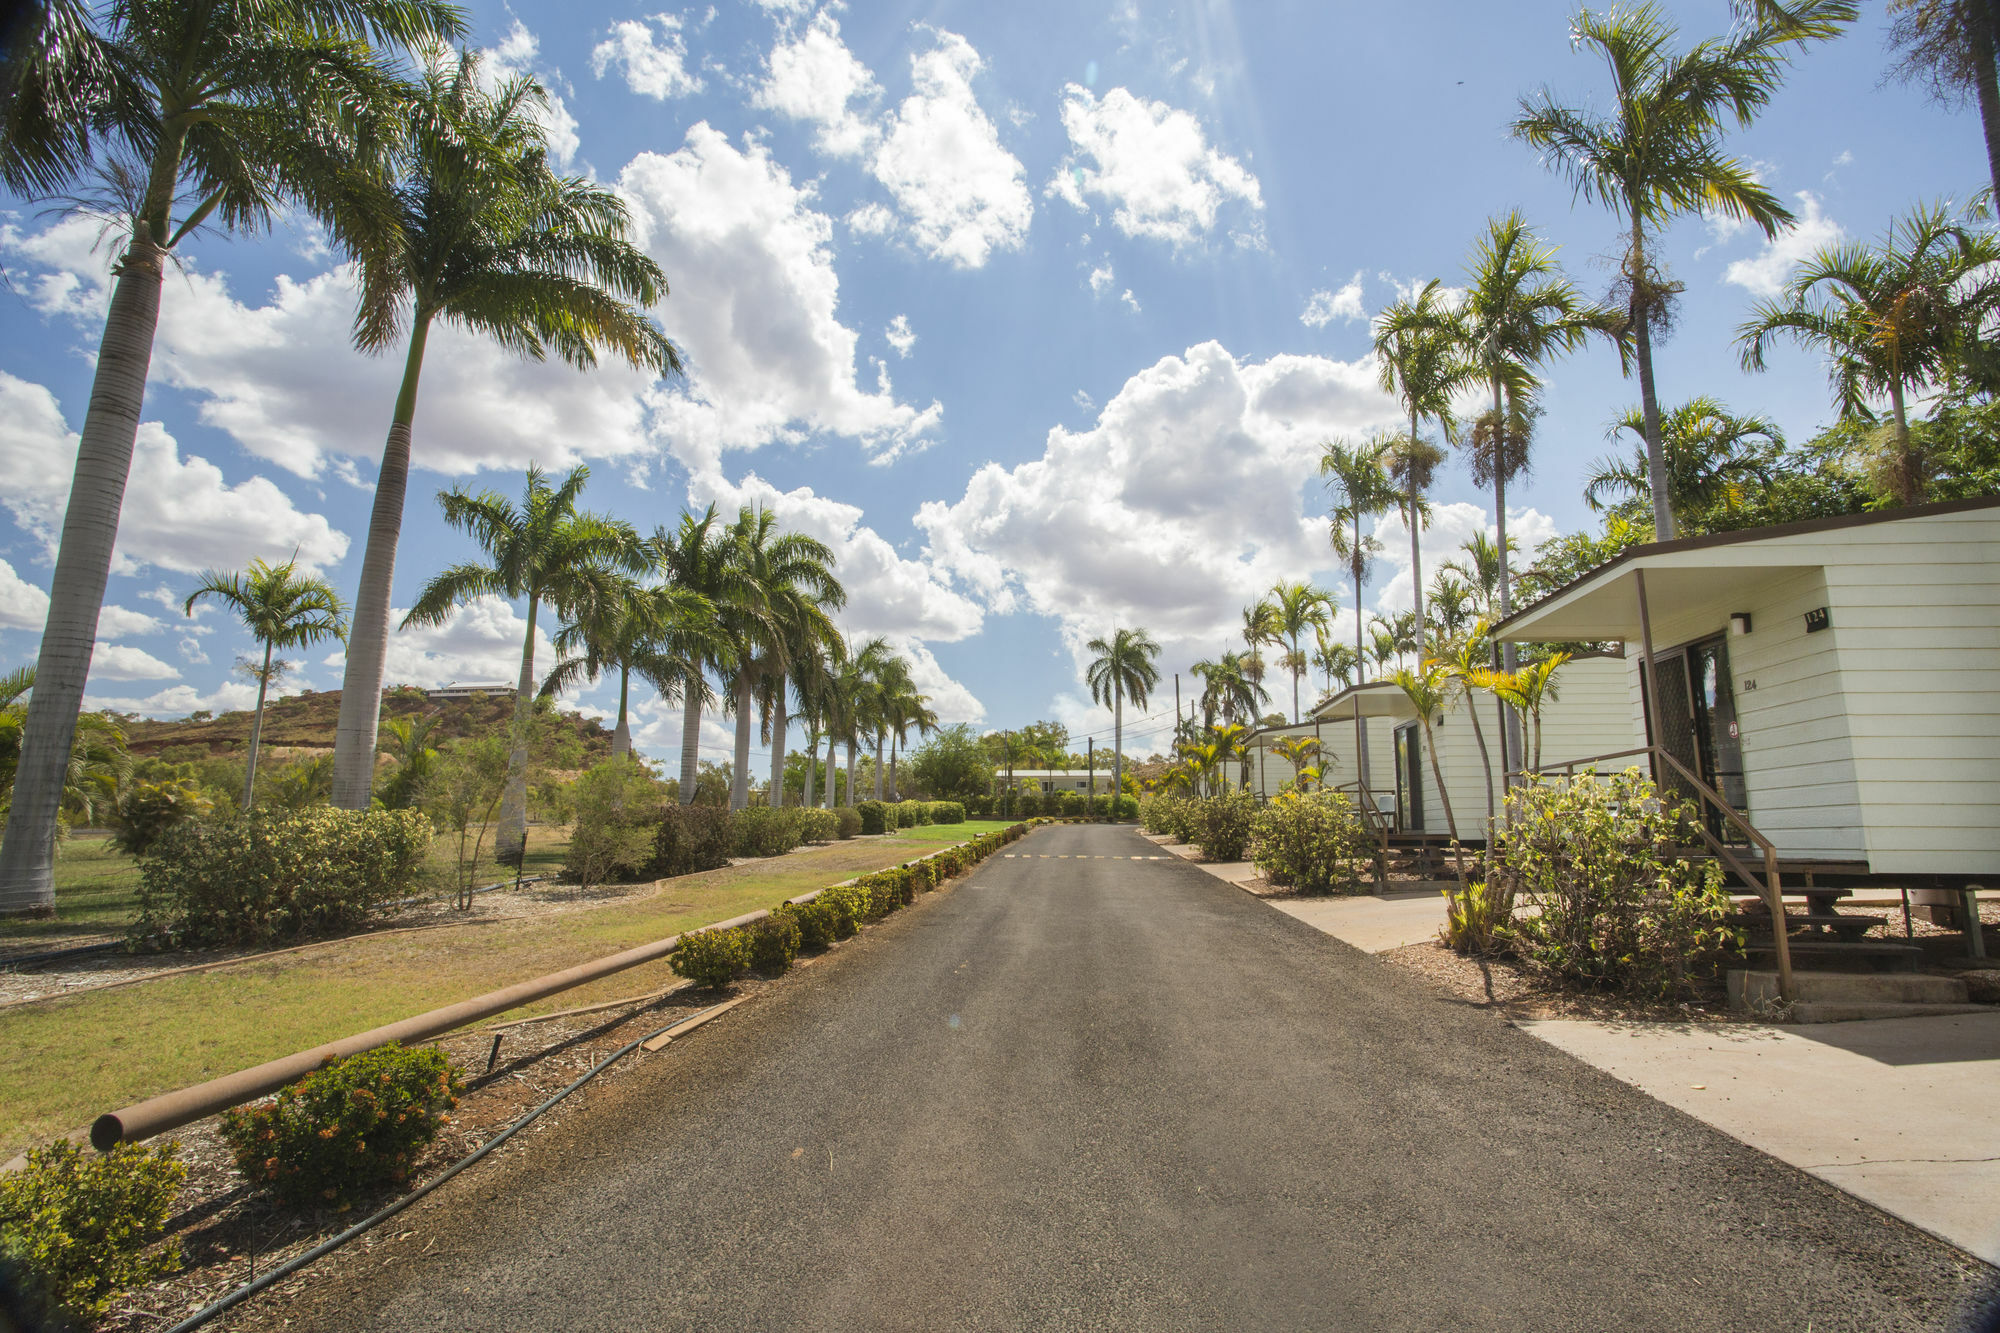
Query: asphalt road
(1083, 1091)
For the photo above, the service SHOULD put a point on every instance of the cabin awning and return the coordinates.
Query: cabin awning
(1606, 605)
(1377, 698)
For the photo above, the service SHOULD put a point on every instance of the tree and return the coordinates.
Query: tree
(851, 714)
(409, 744)
(1892, 320)
(1337, 660)
(787, 586)
(1712, 456)
(210, 114)
(1528, 690)
(1299, 752)
(905, 709)
(1948, 46)
(1656, 155)
(468, 787)
(1121, 667)
(491, 241)
(952, 764)
(1481, 570)
(698, 558)
(546, 550)
(283, 609)
(98, 761)
(650, 630)
(1465, 665)
(1355, 474)
(1419, 344)
(1428, 691)
(1299, 607)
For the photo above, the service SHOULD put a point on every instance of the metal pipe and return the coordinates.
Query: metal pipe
(171, 1110)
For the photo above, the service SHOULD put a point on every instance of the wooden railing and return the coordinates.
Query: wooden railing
(1770, 887)
(1377, 824)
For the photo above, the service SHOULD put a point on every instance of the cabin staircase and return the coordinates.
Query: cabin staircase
(1839, 997)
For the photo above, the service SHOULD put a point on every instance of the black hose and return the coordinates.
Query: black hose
(332, 1243)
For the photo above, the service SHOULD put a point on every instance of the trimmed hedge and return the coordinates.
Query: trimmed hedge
(774, 943)
(691, 839)
(763, 830)
(818, 825)
(947, 812)
(877, 817)
(850, 821)
(712, 958)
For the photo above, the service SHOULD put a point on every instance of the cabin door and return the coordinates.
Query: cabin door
(1695, 721)
(1410, 777)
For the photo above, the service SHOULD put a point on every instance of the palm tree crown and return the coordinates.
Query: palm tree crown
(1121, 667)
(1419, 347)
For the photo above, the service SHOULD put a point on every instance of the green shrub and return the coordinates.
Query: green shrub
(1479, 919)
(616, 808)
(1613, 906)
(947, 812)
(276, 875)
(875, 817)
(979, 807)
(1031, 805)
(346, 1127)
(912, 814)
(146, 810)
(691, 839)
(1126, 807)
(1221, 824)
(1314, 843)
(818, 825)
(81, 1226)
(852, 905)
(850, 821)
(1156, 812)
(763, 830)
(774, 942)
(815, 920)
(712, 958)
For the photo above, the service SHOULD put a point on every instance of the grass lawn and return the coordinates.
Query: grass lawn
(65, 1062)
(970, 829)
(97, 892)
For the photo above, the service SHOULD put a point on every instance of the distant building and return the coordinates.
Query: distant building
(473, 689)
(1056, 779)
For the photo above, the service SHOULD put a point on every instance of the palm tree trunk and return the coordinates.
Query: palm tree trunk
(878, 765)
(778, 724)
(621, 735)
(1909, 481)
(510, 844)
(1649, 400)
(256, 731)
(832, 773)
(892, 766)
(1360, 668)
(812, 766)
(1510, 732)
(739, 777)
(355, 734)
(850, 772)
(1295, 680)
(76, 591)
(1117, 746)
(1980, 20)
(691, 692)
(1444, 799)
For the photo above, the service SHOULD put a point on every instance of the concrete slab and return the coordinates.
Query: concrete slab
(1904, 1112)
(1372, 924)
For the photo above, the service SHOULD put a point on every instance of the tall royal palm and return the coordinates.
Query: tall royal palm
(1121, 668)
(1949, 46)
(1299, 607)
(1361, 491)
(1892, 320)
(282, 609)
(1419, 352)
(788, 578)
(546, 550)
(1656, 154)
(855, 704)
(698, 557)
(180, 117)
(907, 711)
(494, 243)
(641, 629)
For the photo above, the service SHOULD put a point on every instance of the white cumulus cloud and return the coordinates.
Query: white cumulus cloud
(900, 335)
(1153, 164)
(22, 604)
(516, 54)
(122, 661)
(652, 57)
(1324, 307)
(1765, 273)
(118, 622)
(814, 77)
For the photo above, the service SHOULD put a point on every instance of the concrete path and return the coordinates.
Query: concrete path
(1904, 1112)
(1082, 1090)
(1370, 924)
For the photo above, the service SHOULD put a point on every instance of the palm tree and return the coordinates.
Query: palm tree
(409, 744)
(1465, 663)
(1418, 347)
(890, 676)
(1527, 691)
(650, 630)
(1261, 626)
(1451, 609)
(98, 761)
(1337, 660)
(1656, 155)
(1428, 691)
(212, 114)
(853, 705)
(698, 557)
(1231, 687)
(1357, 476)
(547, 550)
(788, 587)
(907, 709)
(813, 682)
(1949, 45)
(1298, 751)
(1711, 455)
(491, 241)
(1299, 607)
(1891, 320)
(1382, 645)
(282, 609)
(1121, 667)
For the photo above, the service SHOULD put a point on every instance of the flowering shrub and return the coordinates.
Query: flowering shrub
(278, 875)
(346, 1127)
(1221, 824)
(1614, 906)
(81, 1226)
(818, 825)
(1314, 843)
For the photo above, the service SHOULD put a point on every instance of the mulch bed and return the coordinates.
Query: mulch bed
(1503, 985)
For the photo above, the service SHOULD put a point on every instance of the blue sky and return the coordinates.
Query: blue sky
(1038, 313)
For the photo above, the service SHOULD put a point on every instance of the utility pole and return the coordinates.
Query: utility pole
(1090, 806)
(1177, 709)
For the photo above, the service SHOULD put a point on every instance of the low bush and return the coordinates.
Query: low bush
(1314, 843)
(1221, 824)
(876, 817)
(81, 1226)
(979, 807)
(276, 875)
(947, 812)
(146, 810)
(712, 958)
(1028, 805)
(764, 830)
(615, 811)
(849, 904)
(1478, 919)
(774, 942)
(912, 814)
(1613, 907)
(815, 921)
(818, 825)
(344, 1128)
(1157, 813)
(850, 821)
(690, 839)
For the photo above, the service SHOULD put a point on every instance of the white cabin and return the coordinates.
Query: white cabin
(1590, 715)
(1837, 681)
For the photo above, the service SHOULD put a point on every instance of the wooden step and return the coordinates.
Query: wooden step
(1812, 952)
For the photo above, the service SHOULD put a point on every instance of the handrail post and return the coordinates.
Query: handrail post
(1781, 925)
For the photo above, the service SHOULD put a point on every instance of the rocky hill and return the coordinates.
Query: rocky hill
(307, 722)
